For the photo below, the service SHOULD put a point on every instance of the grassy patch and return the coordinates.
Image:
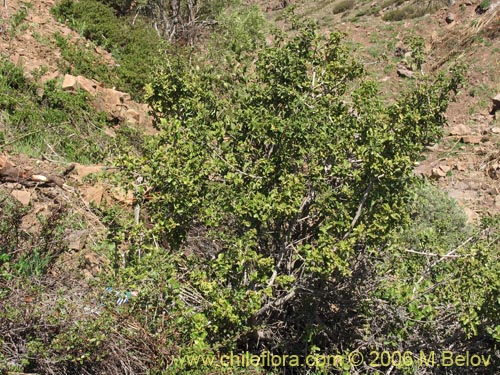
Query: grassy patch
(81, 60)
(413, 10)
(24, 253)
(49, 121)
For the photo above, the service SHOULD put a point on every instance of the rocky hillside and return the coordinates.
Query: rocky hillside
(42, 179)
(96, 273)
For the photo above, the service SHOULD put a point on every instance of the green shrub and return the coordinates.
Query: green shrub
(417, 48)
(265, 185)
(10, 235)
(438, 279)
(239, 30)
(135, 47)
(403, 13)
(83, 61)
(22, 254)
(18, 18)
(485, 4)
(414, 9)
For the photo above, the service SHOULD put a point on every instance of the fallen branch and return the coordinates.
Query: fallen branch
(10, 173)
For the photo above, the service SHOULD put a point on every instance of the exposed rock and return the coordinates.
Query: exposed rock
(87, 85)
(3, 162)
(423, 170)
(440, 172)
(113, 103)
(110, 132)
(405, 73)
(93, 194)
(18, 59)
(123, 196)
(117, 105)
(23, 196)
(460, 129)
(462, 167)
(69, 83)
(472, 216)
(93, 264)
(132, 116)
(450, 18)
(77, 240)
(495, 130)
(472, 139)
(83, 171)
(445, 168)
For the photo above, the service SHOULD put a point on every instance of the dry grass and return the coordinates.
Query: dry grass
(415, 9)
(459, 41)
(343, 6)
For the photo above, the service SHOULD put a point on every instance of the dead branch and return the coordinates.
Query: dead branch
(10, 173)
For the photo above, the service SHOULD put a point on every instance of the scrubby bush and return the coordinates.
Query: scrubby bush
(81, 60)
(239, 30)
(269, 179)
(435, 286)
(414, 9)
(23, 253)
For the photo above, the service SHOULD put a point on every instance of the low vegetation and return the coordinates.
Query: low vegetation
(78, 59)
(276, 210)
(413, 9)
(343, 6)
(47, 121)
(136, 47)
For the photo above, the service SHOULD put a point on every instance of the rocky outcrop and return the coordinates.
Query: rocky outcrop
(405, 72)
(117, 105)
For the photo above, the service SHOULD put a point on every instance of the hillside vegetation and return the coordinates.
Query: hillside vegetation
(273, 214)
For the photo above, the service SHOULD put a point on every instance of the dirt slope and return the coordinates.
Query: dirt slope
(31, 43)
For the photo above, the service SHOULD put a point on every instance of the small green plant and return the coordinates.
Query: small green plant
(485, 5)
(239, 30)
(417, 48)
(400, 14)
(18, 18)
(57, 123)
(81, 60)
(440, 274)
(21, 254)
(413, 9)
